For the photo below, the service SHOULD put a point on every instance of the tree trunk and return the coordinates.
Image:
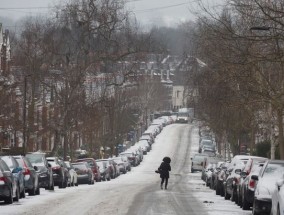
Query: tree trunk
(280, 135)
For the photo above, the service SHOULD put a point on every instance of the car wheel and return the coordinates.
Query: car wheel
(253, 210)
(9, 199)
(192, 170)
(217, 189)
(23, 193)
(245, 203)
(76, 184)
(32, 192)
(226, 196)
(37, 192)
(278, 210)
(16, 199)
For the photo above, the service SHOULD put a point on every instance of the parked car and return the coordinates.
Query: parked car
(121, 164)
(213, 178)
(104, 169)
(111, 168)
(248, 186)
(31, 180)
(131, 157)
(18, 173)
(271, 172)
(145, 146)
(92, 163)
(206, 144)
(221, 178)
(277, 198)
(9, 190)
(84, 173)
(59, 175)
(72, 173)
(126, 163)
(232, 182)
(44, 171)
(149, 137)
(197, 162)
(116, 167)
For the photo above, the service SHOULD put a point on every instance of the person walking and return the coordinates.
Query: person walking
(164, 169)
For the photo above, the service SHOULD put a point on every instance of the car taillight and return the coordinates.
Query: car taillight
(3, 179)
(55, 167)
(236, 180)
(251, 183)
(27, 172)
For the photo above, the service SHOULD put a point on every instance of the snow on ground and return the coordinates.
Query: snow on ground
(215, 204)
(116, 196)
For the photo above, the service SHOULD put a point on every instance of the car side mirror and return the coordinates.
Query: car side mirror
(254, 177)
(36, 168)
(190, 158)
(243, 174)
(48, 164)
(279, 183)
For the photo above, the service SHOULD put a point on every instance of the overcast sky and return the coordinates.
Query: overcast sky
(148, 12)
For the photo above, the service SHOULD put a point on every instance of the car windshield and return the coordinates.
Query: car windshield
(207, 143)
(274, 169)
(35, 158)
(198, 158)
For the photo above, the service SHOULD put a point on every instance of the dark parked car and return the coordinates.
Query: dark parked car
(59, 176)
(254, 164)
(271, 172)
(44, 171)
(92, 163)
(31, 176)
(104, 170)
(84, 173)
(248, 186)
(17, 171)
(9, 189)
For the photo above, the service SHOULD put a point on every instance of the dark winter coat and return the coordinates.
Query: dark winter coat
(164, 170)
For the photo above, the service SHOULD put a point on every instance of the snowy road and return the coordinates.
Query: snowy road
(138, 192)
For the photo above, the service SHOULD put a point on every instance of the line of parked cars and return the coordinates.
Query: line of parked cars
(253, 183)
(27, 174)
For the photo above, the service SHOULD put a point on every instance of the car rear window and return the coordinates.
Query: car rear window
(79, 166)
(273, 169)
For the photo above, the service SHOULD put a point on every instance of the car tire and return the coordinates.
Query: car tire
(32, 192)
(218, 189)
(23, 193)
(226, 195)
(37, 192)
(9, 199)
(245, 203)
